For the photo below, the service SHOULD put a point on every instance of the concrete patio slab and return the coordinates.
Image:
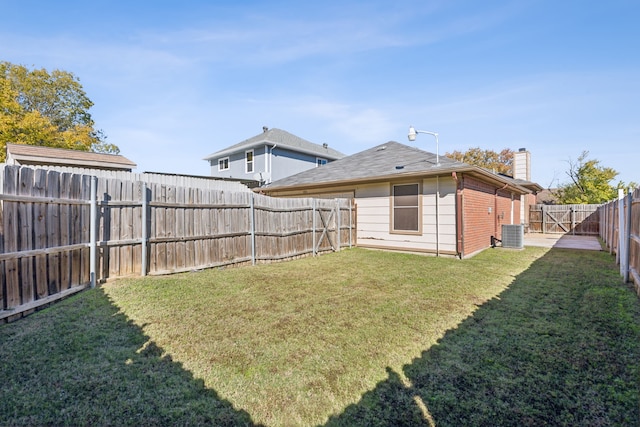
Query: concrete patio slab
(566, 241)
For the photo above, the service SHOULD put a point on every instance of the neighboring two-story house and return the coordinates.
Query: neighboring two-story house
(272, 155)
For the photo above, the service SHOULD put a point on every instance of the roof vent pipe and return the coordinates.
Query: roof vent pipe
(265, 129)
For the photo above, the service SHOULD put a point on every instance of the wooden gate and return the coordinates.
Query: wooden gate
(564, 219)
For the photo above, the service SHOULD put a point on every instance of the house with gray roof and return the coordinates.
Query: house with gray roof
(269, 156)
(407, 199)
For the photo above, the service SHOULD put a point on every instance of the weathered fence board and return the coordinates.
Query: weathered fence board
(564, 219)
(46, 227)
(620, 231)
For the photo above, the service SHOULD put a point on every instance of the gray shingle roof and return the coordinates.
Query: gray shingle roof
(283, 139)
(384, 161)
(391, 158)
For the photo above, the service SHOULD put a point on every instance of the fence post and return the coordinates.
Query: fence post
(544, 219)
(627, 233)
(338, 213)
(350, 224)
(622, 250)
(572, 215)
(145, 232)
(93, 232)
(313, 225)
(253, 230)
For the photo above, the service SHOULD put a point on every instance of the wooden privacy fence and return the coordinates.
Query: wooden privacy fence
(620, 230)
(565, 219)
(61, 232)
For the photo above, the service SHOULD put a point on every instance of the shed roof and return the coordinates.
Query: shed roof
(35, 155)
(282, 139)
(391, 160)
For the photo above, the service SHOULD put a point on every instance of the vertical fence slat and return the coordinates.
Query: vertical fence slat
(53, 231)
(144, 230)
(25, 233)
(40, 233)
(65, 259)
(93, 223)
(85, 229)
(10, 228)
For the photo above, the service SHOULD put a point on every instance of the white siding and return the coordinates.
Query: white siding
(374, 216)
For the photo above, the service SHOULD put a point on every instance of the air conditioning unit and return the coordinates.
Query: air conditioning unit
(513, 236)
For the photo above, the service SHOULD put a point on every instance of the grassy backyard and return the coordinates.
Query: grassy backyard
(532, 337)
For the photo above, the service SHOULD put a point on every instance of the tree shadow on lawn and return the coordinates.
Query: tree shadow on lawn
(560, 346)
(82, 362)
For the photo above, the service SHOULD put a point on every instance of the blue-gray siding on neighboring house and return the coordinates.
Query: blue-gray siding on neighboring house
(237, 165)
(272, 163)
(277, 154)
(286, 163)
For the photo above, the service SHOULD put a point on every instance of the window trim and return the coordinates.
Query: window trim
(248, 162)
(392, 207)
(225, 160)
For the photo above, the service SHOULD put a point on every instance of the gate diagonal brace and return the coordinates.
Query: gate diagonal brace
(325, 228)
(557, 222)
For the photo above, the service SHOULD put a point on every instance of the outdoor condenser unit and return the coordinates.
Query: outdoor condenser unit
(513, 236)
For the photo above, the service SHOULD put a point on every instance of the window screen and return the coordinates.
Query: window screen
(406, 212)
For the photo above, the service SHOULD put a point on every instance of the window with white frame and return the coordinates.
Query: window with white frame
(223, 164)
(405, 210)
(248, 161)
(320, 161)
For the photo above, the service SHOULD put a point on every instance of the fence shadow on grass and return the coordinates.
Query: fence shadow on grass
(560, 346)
(82, 362)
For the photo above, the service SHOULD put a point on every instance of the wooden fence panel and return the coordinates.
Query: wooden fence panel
(38, 238)
(45, 227)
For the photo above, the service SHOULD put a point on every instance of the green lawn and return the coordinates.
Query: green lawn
(532, 337)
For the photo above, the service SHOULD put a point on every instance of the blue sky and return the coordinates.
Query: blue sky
(175, 81)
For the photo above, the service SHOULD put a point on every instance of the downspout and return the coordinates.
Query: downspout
(495, 210)
(458, 207)
(512, 206)
(271, 162)
(437, 216)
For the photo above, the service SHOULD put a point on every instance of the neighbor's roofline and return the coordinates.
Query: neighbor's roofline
(65, 156)
(228, 151)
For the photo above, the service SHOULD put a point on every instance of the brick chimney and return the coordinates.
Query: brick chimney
(522, 165)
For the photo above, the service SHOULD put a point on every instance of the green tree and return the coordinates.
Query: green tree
(46, 109)
(501, 162)
(590, 183)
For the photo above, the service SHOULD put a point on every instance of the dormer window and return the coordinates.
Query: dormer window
(320, 161)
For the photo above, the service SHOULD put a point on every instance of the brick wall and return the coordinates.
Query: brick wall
(484, 212)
